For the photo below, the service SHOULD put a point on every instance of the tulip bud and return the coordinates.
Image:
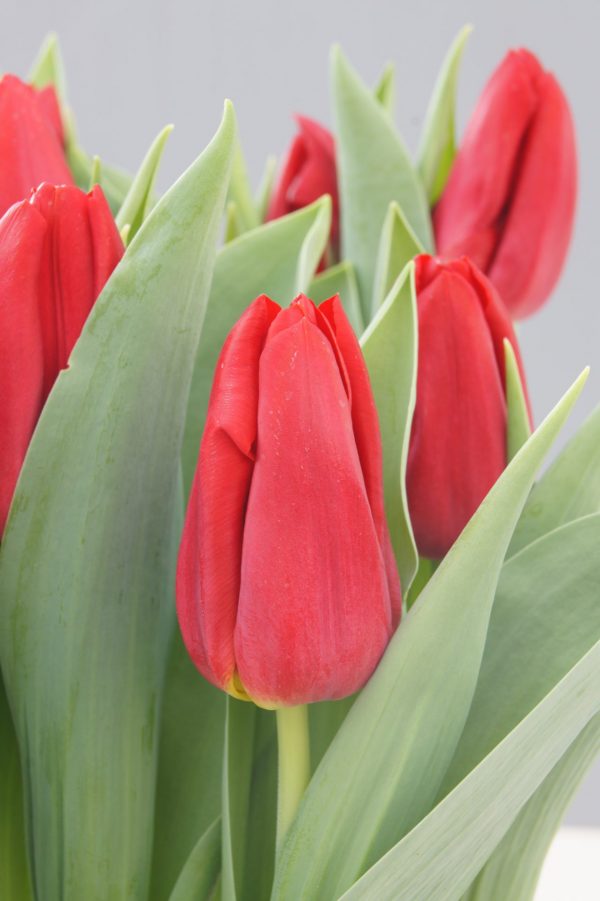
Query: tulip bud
(510, 199)
(287, 589)
(57, 250)
(308, 172)
(458, 439)
(31, 141)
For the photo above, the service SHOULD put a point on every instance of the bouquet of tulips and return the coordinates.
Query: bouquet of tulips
(286, 610)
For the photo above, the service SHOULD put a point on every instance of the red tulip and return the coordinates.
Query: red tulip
(57, 250)
(510, 199)
(287, 590)
(458, 438)
(308, 172)
(31, 141)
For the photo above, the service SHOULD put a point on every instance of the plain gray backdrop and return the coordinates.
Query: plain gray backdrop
(133, 67)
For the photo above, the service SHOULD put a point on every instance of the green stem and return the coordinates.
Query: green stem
(294, 765)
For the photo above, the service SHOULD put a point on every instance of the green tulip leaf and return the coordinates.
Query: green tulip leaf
(397, 247)
(390, 347)
(374, 168)
(240, 194)
(340, 279)
(14, 872)
(385, 766)
(439, 858)
(139, 199)
(568, 490)
(265, 189)
(518, 428)
(438, 142)
(188, 785)
(48, 68)
(87, 562)
(249, 802)
(199, 876)
(385, 90)
(278, 259)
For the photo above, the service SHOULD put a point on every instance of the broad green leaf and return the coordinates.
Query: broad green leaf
(233, 223)
(240, 193)
(87, 561)
(397, 247)
(249, 802)
(48, 68)
(444, 852)
(385, 90)
(340, 279)
(438, 142)
(138, 201)
(569, 489)
(201, 870)
(390, 346)
(325, 719)
(385, 765)
(278, 259)
(514, 868)
(374, 168)
(265, 188)
(14, 872)
(518, 427)
(188, 787)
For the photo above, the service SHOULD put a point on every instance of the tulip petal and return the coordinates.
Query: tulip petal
(314, 608)
(208, 572)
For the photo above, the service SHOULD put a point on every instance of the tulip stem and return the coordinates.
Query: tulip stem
(293, 765)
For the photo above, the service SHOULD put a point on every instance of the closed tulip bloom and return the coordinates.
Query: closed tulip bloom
(308, 172)
(287, 590)
(57, 250)
(510, 199)
(458, 439)
(31, 141)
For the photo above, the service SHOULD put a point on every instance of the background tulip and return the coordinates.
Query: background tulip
(57, 250)
(458, 438)
(308, 172)
(287, 590)
(31, 141)
(510, 200)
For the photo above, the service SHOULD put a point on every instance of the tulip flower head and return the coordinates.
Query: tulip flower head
(509, 203)
(31, 141)
(458, 438)
(57, 250)
(287, 589)
(308, 172)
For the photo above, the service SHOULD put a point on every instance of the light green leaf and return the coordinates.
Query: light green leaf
(201, 871)
(325, 719)
(514, 868)
(443, 853)
(188, 787)
(569, 489)
(390, 347)
(138, 201)
(240, 193)
(438, 142)
(385, 91)
(374, 168)
(397, 247)
(385, 765)
(265, 189)
(249, 802)
(339, 279)
(87, 561)
(278, 259)
(14, 872)
(48, 68)
(518, 427)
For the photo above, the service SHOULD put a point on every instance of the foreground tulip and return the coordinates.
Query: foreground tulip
(57, 250)
(510, 200)
(287, 590)
(308, 172)
(31, 141)
(458, 438)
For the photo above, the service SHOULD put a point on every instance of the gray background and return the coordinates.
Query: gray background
(132, 67)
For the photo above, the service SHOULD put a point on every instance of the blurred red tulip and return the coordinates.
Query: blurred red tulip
(510, 200)
(287, 589)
